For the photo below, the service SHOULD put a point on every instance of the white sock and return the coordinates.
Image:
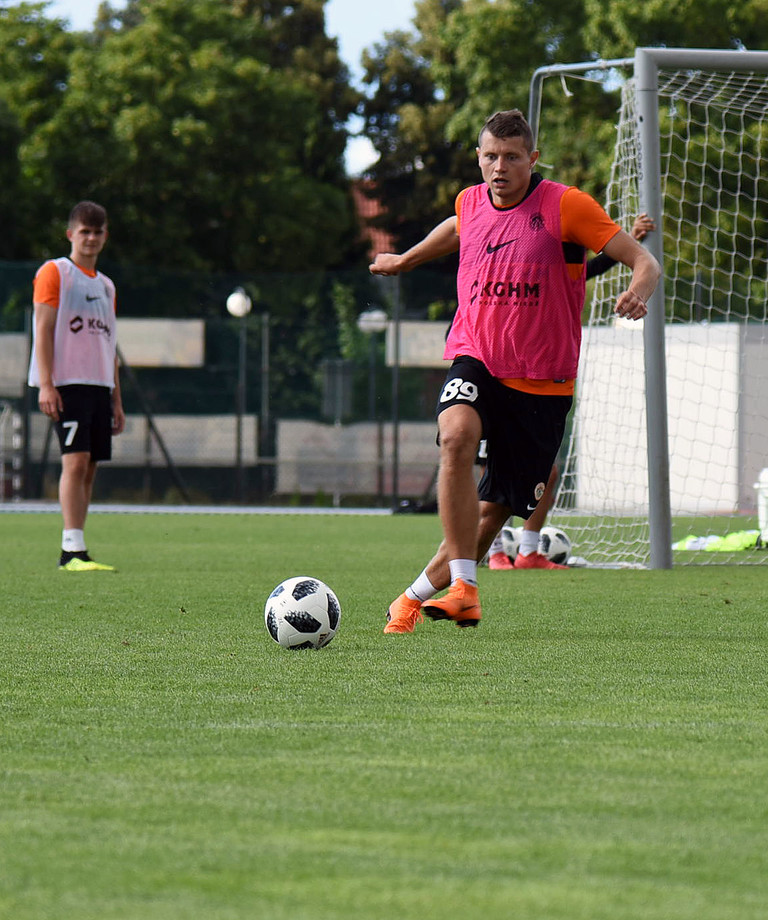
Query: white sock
(465, 569)
(73, 541)
(422, 589)
(529, 542)
(497, 546)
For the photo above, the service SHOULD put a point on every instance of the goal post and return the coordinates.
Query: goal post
(708, 195)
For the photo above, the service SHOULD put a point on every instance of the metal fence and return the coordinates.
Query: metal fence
(296, 402)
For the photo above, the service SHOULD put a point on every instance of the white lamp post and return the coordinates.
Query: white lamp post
(371, 322)
(239, 305)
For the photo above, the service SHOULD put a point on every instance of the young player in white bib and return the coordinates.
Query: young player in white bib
(74, 364)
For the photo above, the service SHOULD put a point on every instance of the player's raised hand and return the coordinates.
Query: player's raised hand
(386, 263)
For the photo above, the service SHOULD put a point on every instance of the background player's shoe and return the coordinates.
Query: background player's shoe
(461, 604)
(499, 562)
(81, 562)
(403, 615)
(535, 561)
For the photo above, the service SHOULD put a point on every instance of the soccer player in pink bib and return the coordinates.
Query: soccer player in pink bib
(514, 343)
(74, 363)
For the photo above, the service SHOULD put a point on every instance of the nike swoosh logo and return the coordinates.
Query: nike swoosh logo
(532, 507)
(89, 298)
(491, 249)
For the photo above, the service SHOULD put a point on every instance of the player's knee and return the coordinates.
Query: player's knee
(76, 464)
(458, 446)
(492, 518)
(460, 434)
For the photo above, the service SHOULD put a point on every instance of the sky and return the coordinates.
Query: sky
(357, 24)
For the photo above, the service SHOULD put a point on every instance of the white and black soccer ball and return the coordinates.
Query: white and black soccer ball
(555, 545)
(510, 540)
(302, 612)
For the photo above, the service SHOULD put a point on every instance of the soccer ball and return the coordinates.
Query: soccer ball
(510, 540)
(302, 612)
(555, 545)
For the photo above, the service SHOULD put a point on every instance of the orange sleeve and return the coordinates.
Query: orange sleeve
(584, 221)
(458, 209)
(46, 286)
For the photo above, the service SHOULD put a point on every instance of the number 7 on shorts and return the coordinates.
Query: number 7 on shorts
(71, 432)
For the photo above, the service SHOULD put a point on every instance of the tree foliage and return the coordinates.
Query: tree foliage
(214, 130)
(617, 28)
(431, 89)
(420, 169)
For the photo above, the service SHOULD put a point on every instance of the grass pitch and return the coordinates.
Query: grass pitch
(595, 750)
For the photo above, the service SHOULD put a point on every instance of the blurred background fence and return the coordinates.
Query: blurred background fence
(310, 398)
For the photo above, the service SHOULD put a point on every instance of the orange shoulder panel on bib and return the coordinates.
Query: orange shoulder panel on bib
(457, 207)
(47, 285)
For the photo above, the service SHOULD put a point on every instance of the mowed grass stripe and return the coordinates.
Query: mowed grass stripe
(595, 749)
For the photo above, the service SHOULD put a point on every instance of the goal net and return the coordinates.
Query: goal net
(713, 155)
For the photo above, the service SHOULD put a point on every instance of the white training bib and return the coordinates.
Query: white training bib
(85, 335)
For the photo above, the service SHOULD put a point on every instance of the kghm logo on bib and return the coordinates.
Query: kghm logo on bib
(524, 292)
(99, 327)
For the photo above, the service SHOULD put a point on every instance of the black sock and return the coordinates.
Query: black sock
(66, 555)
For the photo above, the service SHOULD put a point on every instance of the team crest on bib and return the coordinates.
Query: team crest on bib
(539, 491)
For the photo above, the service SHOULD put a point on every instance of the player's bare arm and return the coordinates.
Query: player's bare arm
(118, 414)
(49, 398)
(646, 271)
(442, 240)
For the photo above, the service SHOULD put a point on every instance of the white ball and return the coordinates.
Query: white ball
(555, 545)
(510, 540)
(302, 612)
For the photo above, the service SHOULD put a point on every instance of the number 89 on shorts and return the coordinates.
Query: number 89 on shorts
(458, 390)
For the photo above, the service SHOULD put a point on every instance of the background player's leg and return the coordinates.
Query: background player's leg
(75, 488)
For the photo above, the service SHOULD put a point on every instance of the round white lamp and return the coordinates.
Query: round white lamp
(372, 321)
(238, 303)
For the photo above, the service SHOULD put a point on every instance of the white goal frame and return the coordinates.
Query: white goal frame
(646, 63)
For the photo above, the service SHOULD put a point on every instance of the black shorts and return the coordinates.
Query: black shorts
(523, 433)
(85, 425)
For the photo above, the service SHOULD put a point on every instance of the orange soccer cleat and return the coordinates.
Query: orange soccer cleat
(500, 562)
(403, 615)
(535, 561)
(461, 604)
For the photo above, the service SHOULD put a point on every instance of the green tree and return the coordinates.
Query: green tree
(34, 66)
(212, 157)
(34, 63)
(215, 130)
(617, 28)
(12, 241)
(420, 170)
(432, 88)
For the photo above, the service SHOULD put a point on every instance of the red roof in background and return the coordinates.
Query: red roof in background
(367, 207)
